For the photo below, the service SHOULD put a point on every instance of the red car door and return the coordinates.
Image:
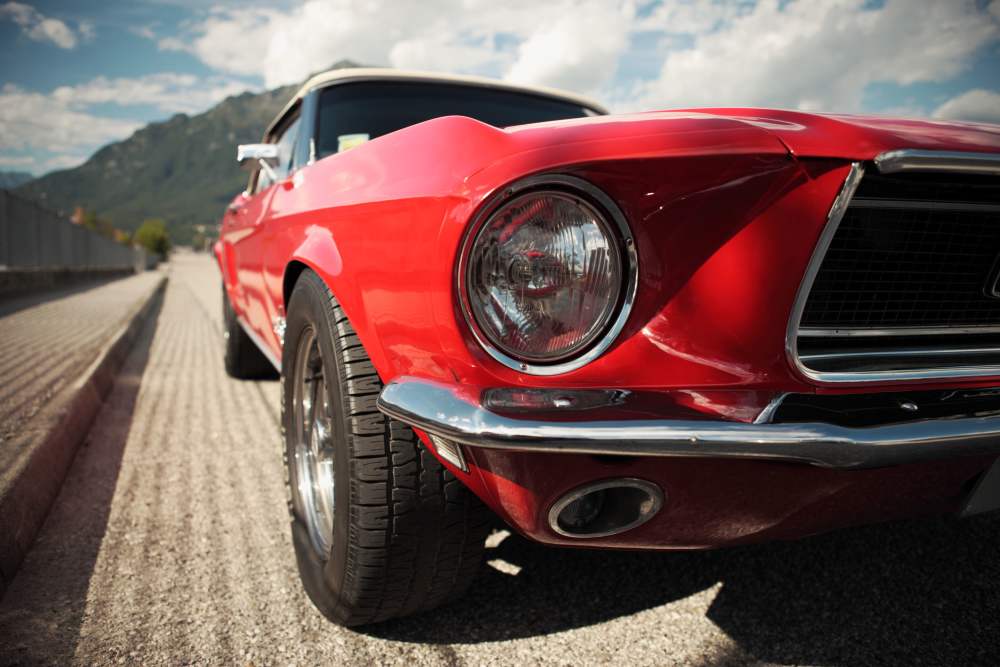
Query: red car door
(242, 239)
(246, 232)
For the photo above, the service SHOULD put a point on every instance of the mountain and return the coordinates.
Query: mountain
(182, 170)
(12, 179)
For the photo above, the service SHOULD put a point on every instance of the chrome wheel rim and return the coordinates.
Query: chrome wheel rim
(313, 486)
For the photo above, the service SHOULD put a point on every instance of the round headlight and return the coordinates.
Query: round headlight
(545, 277)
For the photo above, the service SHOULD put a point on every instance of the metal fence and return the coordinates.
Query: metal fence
(35, 237)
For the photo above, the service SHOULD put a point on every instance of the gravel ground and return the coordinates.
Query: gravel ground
(169, 545)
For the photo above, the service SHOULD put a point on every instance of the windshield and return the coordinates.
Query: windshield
(351, 114)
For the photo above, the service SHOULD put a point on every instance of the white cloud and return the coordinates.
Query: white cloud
(87, 30)
(31, 120)
(42, 28)
(635, 54)
(144, 31)
(16, 162)
(60, 128)
(168, 91)
(42, 164)
(573, 42)
(426, 53)
(60, 161)
(690, 17)
(800, 53)
(233, 42)
(578, 51)
(819, 55)
(975, 105)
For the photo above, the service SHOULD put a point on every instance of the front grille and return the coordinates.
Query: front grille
(891, 267)
(877, 409)
(947, 188)
(907, 280)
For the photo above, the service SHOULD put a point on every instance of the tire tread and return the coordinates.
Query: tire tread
(243, 359)
(416, 534)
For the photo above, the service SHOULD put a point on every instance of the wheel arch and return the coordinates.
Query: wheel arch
(319, 254)
(293, 270)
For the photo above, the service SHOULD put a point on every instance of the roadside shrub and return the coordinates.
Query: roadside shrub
(152, 235)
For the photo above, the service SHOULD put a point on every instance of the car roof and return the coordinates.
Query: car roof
(354, 74)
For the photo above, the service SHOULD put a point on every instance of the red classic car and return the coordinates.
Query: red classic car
(667, 330)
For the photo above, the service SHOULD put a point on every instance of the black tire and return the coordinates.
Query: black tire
(243, 358)
(407, 536)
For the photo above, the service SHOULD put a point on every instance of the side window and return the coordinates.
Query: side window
(286, 150)
(285, 139)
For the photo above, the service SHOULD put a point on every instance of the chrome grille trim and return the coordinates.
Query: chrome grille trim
(860, 202)
(833, 219)
(907, 160)
(809, 332)
(901, 352)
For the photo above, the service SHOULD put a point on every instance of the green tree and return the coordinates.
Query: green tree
(90, 220)
(123, 237)
(152, 235)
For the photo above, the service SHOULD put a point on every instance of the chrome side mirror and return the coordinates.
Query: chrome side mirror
(265, 156)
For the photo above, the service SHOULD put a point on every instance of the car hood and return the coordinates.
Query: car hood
(862, 137)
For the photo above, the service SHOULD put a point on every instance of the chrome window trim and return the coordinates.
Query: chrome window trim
(910, 159)
(889, 162)
(630, 270)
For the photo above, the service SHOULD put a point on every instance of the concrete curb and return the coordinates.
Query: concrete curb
(18, 282)
(55, 436)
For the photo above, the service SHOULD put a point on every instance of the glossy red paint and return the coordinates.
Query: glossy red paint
(863, 137)
(715, 503)
(726, 207)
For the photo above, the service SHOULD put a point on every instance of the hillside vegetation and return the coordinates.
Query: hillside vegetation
(12, 179)
(182, 170)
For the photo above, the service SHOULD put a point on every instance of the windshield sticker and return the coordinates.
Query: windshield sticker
(348, 141)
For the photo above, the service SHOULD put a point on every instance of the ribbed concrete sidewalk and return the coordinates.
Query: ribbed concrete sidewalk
(45, 343)
(58, 355)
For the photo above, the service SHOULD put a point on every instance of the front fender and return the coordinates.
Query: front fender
(217, 253)
(319, 253)
(227, 271)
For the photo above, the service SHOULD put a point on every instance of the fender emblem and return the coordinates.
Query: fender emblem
(278, 325)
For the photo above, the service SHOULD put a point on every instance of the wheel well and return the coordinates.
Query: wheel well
(292, 273)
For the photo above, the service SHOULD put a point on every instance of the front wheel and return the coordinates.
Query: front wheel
(381, 529)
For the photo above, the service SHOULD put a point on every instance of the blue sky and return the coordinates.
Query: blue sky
(77, 75)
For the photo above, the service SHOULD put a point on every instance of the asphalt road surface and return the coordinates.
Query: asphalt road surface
(169, 545)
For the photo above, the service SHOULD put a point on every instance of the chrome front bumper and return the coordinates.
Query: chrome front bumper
(441, 411)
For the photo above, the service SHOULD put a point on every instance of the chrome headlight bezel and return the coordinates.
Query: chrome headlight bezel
(623, 241)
